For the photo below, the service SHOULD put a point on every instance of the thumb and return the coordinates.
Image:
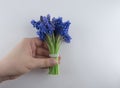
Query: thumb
(44, 62)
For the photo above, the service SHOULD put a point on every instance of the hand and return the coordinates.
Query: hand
(29, 54)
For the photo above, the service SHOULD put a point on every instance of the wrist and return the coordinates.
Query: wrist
(3, 68)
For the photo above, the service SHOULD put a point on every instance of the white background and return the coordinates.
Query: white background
(91, 60)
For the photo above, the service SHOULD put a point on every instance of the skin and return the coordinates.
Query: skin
(29, 54)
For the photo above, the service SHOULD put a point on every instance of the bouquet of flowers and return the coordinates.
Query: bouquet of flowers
(53, 31)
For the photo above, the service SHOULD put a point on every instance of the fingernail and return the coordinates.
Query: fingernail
(53, 62)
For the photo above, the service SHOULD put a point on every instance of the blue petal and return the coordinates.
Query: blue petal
(67, 38)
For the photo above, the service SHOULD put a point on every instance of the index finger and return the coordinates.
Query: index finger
(37, 41)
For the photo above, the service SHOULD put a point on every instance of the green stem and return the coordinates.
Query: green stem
(54, 43)
(55, 69)
(50, 43)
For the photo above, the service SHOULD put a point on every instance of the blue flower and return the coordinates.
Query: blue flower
(67, 38)
(56, 26)
(64, 31)
(48, 17)
(41, 35)
(33, 22)
(61, 28)
(47, 24)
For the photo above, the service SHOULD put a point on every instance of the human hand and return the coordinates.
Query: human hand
(29, 54)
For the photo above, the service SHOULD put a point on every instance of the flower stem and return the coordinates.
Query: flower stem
(54, 45)
(55, 69)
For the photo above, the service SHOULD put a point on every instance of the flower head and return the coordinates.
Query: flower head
(47, 26)
(67, 38)
(61, 28)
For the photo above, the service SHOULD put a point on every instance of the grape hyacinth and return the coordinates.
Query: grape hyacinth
(53, 31)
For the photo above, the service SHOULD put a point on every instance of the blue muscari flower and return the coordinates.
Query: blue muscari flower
(38, 25)
(58, 25)
(64, 31)
(48, 17)
(61, 28)
(42, 28)
(46, 21)
(33, 22)
(67, 38)
(46, 26)
(41, 35)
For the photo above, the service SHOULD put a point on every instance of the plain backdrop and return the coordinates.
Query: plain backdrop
(91, 60)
